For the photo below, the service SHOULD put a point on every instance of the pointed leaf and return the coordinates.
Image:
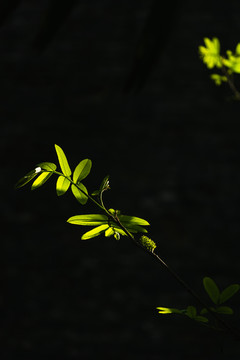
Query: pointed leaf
(82, 170)
(94, 232)
(191, 312)
(131, 228)
(48, 166)
(80, 195)
(212, 289)
(25, 179)
(224, 310)
(165, 310)
(132, 220)
(62, 185)
(105, 184)
(63, 161)
(228, 292)
(89, 219)
(109, 232)
(41, 179)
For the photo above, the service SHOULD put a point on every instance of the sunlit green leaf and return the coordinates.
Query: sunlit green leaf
(82, 170)
(48, 166)
(109, 232)
(233, 63)
(166, 310)
(94, 232)
(89, 219)
(228, 292)
(62, 185)
(80, 194)
(210, 53)
(218, 79)
(63, 161)
(41, 179)
(25, 179)
(237, 50)
(212, 289)
(132, 220)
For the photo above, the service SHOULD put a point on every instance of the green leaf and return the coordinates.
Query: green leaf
(166, 310)
(210, 53)
(191, 312)
(224, 310)
(89, 219)
(228, 292)
(41, 179)
(62, 185)
(212, 289)
(95, 232)
(63, 161)
(104, 184)
(82, 170)
(109, 232)
(132, 220)
(48, 166)
(237, 50)
(218, 79)
(25, 179)
(79, 195)
(201, 318)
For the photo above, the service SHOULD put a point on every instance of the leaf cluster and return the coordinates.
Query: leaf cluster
(111, 222)
(217, 297)
(229, 63)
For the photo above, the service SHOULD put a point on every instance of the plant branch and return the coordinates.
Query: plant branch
(116, 220)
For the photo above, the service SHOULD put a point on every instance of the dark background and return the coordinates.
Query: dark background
(119, 82)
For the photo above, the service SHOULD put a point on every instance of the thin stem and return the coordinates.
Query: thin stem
(232, 331)
(230, 82)
(115, 219)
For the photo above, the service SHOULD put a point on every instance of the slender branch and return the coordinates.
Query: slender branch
(235, 333)
(116, 220)
(230, 82)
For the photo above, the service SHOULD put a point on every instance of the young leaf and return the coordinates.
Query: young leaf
(89, 219)
(62, 185)
(228, 292)
(212, 289)
(48, 166)
(79, 195)
(41, 179)
(105, 184)
(132, 220)
(109, 232)
(95, 232)
(165, 310)
(25, 179)
(82, 170)
(63, 161)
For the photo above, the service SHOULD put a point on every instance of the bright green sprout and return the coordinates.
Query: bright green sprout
(218, 79)
(210, 53)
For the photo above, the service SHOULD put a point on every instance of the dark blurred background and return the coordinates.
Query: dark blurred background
(119, 82)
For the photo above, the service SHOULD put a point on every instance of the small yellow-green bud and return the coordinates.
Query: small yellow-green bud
(147, 243)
